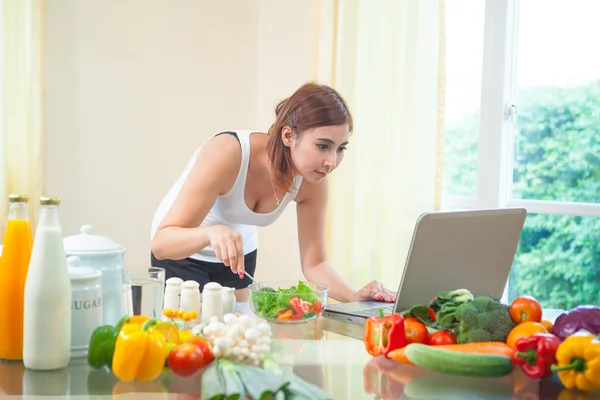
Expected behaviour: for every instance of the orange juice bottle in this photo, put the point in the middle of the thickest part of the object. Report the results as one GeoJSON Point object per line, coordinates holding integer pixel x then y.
{"type": "Point", "coordinates": [14, 263]}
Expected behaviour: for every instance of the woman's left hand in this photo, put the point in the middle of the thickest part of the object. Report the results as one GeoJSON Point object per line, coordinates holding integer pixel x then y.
{"type": "Point", "coordinates": [376, 291]}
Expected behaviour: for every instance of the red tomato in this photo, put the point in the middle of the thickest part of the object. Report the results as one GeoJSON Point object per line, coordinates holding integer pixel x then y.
{"type": "Point", "coordinates": [318, 306]}
{"type": "Point", "coordinates": [415, 331]}
{"type": "Point", "coordinates": [442, 337]}
{"type": "Point", "coordinates": [186, 359]}
{"type": "Point", "coordinates": [203, 345]}
{"type": "Point", "coordinates": [300, 306]}
{"type": "Point", "coordinates": [524, 309]}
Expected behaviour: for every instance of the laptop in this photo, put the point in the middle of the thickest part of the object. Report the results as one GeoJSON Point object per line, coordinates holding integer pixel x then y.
{"type": "Point", "coordinates": [472, 249]}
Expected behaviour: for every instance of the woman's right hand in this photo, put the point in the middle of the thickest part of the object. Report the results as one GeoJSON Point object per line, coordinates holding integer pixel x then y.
{"type": "Point", "coordinates": [228, 247]}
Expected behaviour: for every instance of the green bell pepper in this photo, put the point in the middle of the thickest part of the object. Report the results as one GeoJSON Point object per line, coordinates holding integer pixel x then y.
{"type": "Point", "coordinates": [102, 344]}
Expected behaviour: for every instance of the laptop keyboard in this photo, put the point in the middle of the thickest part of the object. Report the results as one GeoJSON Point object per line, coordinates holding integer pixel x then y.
{"type": "Point", "coordinates": [387, 310]}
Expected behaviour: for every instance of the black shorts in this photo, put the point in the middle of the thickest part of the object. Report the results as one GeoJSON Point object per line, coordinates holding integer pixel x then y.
{"type": "Point", "coordinates": [204, 272]}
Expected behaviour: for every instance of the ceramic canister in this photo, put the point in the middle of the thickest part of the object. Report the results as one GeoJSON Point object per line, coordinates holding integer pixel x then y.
{"type": "Point", "coordinates": [86, 305]}
{"type": "Point", "coordinates": [106, 256]}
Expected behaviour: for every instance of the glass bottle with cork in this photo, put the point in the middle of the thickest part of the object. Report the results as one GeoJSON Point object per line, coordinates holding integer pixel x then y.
{"type": "Point", "coordinates": [47, 311]}
{"type": "Point", "coordinates": [14, 263]}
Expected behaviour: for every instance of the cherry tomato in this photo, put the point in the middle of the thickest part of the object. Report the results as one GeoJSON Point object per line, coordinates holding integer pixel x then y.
{"type": "Point", "coordinates": [203, 345]}
{"type": "Point", "coordinates": [186, 359]}
{"type": "Point", "coordinates": [442, 337]}
{"type": "Point", "coordinates": [415, 331]}
{"type": "Point", "coordinates": [524, 309]}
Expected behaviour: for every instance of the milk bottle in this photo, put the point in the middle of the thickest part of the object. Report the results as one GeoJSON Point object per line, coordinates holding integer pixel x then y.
{"type": "Point", "coordinates": [47, 312]}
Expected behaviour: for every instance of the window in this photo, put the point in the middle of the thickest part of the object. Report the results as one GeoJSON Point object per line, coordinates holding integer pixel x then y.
{"type": "Point", "coordinates": [533, 140]}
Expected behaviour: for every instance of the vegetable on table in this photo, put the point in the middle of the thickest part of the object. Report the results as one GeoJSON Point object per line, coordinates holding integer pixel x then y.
{"type": "Point", "coordinates": [441, 306]}
{"type": "Point", "coordinates": [454, 297]}
{"type": "Point", "coordinates": [458, 363]}
{"type": "Point", "coordinates": [226, 379]}
{"type": "Point", "coordinates": [384, 334]}
{"type": "Point", "coordinates": [186, 359]}
{"type": "Point", "coordinates": [297, 388]}
{"type": "Point", "coordinates": [139, 354]}
{"type": "Point", "coordinates": [525, 308]}
{"type": "Point", "coordinates": [578, 362]}
{"type": "Point", "coordinates": [584, 317]}
{"type": "Point", "coordinates": [523, 330]}
{"type": "Point", "coordinates": [415, 331]}
{"type": "Point", "coordinates": [481, 320]}
{"type": "Point", "coordinates": [536, 354]}
{"type": "Point", "coordinates": [239, 338]}
{"type": "Point", "coordinates": [495, 348]}
{"type": "Point", "coordinates": [442, 337]}
{"type": "Point", "coordinates": [102, 344]}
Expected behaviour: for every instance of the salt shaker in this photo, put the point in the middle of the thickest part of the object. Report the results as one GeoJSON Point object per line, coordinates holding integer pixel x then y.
{"type": "Point", "coordinates": [211, 302]}
{"type": "Point", "coordinates": [190, 296]}
{"type": "Point", "coordinates": [227, 299]}
{"type": "Point", "coordinates": [172, 293]}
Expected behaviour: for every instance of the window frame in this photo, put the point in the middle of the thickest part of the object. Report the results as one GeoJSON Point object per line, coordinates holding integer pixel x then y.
{"type": "Point", "coordinates": [497, 126]}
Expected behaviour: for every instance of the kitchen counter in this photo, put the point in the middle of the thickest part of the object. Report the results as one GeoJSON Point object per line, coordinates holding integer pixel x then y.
{"type": "Point", "coordinates": [327, 353]}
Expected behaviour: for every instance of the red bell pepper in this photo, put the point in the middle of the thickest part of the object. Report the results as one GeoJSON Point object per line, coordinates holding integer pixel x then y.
{"type": "Point", "coordinates": [384, 334]}
{"type": "Point", "coordinates": [536, 354]}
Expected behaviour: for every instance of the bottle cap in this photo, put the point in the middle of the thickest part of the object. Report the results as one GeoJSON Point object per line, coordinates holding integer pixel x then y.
{"type": "Point", "coordinates": [49, 201]}
{"type": "Point", "coordinates": [18, 198]}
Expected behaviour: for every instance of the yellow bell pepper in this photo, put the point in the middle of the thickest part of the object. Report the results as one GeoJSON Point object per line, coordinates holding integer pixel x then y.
{"type": "Point", "coordinates": [578, 362]}
{"type": "Point", "coordinates": [139, 354]}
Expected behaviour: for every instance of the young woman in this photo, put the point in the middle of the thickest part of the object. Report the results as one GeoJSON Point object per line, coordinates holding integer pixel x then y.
{"type": "Point", "coordinates": [205, 227]}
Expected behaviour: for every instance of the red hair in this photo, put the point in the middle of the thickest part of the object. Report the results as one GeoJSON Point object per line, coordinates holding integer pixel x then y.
{"type": "Point", "coordinates": [311, 106]}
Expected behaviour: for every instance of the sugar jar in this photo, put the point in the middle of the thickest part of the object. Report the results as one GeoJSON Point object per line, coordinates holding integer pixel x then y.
{"type": "Point", "coordinates": [86, 304]}
{"type": "Point", "coordinates": [106, 256]}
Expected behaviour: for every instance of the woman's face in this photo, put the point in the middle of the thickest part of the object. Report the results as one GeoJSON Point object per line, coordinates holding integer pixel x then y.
{"type": "Point", "coordinates": [317, 152]}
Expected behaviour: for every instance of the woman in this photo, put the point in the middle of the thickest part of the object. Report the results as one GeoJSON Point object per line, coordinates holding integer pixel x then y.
{"type": "Point", "coordinates": [205, 227]}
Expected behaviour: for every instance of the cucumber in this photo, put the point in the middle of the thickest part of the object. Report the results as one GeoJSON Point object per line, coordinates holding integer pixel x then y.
{"type": "Point", "coordinates": [457, 363]}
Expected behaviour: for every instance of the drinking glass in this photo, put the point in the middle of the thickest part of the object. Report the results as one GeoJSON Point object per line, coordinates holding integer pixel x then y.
{"type": "Point", "coordinates": [143, 291]}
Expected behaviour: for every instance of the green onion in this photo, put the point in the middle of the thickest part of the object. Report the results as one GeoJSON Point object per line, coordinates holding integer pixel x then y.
{"type": "Point", "coordinates": [298, 388]}
{"type": "Point", "coordinates": [259, 383]}
{"type": "Point", "coordinates": [213, 386]}
{"type": "Point", "coordinates": [234, 388]}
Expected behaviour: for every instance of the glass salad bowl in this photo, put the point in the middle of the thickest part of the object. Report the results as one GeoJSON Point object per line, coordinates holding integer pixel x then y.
{"type": "Point", "coordinates": [287, 302]}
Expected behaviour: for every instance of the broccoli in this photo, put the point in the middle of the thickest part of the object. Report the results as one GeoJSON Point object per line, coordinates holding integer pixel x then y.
{"type": "Point", "coordinates": [483, 320]}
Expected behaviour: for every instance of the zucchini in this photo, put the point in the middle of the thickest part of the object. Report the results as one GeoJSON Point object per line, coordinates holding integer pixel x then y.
{"type": "Point", "coordinates": [457, 363]}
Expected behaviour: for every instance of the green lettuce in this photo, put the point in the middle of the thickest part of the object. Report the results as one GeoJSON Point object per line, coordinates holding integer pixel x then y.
{"type": "Point", "coordinates": [269, 303]}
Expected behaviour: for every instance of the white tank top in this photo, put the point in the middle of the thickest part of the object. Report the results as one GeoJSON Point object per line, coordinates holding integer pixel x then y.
{"type": "Point", "coordinates": [229, 209]}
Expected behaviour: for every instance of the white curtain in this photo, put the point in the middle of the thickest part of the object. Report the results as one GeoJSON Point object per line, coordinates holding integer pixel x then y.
{"type": "Point", "coordinates": [21, 86]}
{"type": "Point", "coordinates": [386, 57]}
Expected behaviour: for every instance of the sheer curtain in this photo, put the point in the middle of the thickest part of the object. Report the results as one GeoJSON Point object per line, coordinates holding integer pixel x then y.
{"type": "Point", "coordinates": [387, 59]}
{"type": "Point", "coordinates": [21, 85]}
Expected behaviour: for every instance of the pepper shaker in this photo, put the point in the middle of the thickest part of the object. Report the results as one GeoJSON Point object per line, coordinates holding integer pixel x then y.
{"type": "Point", "coordinates": [190, 296]}
{"type": "Point", "coordinates": [211, 302]}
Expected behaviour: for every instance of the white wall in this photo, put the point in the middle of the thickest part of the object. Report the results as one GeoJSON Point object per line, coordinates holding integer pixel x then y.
{"type": "Point", "coordinates": [133, 87]}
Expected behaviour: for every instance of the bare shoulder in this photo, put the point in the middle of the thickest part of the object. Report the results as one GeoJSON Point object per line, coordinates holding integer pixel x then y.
{"type": "Point", "coordinates": [313, 192]}
{"type": "Point", "coordinates": [219, 160]}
